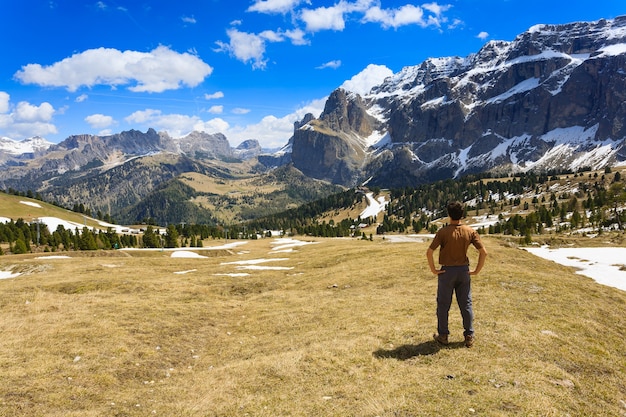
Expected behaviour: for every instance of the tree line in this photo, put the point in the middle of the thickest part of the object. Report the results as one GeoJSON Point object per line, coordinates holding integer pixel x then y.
{"type": "Point", "coordinates": [23, 237]}
{"type": "Point", "coordinates": [596, 201]}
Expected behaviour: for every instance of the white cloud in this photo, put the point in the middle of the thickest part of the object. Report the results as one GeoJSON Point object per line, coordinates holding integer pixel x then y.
{"type": "Point", "coordinates": [212, 126]}
{"type": "Point", "coordinates": [189, 19]}
{"type": "Point", "coordinates": [455, 23]}
{"type": "Point", "coordinates": [407, 15]}
{"type": "Point", "coordinates": [271, 36]}
{"type": "Point", "coordinates": [81, 98]}
{"type": "Point", "coordinates": [4, 102]}
{"type": "Point", "coordinates": [26, 120]}
{"type": "Point", "coordinates": [216, 109]}
{"type": "Point", "coordinates": [99, 121]}
{"type": "Point", "coordinates": [271, 131]}
{"type": "Point", "coordinates": [331, 64]}
{"type": "Point", "coordinates": [250, 47]}
{"type": "Point", "coordinates": [296, 37]}
{"type": "Point", "coordinates": [274, 6]}
{"type": "Point", "coordinates": [143, 116]}
{"type": "Point", "coordinates": [26, 112]}
{"type": "Point", "coordinates": [105, 132]}
{"type": "Point", "coordinates": [436, 9]}
{"type": "Point", "coordinates": [245, 47]}
{"type": "Point", "coordinates": [324, 18]}
{"type": "Point", "coordinates": [217, 94]}
{"type": "Point", "coordinates": [176, 125]}
{"type": "Point", "coordinates": [371, 76]}
{"type": "Point", "coordinates": [482, 35]}
{"type": "Point", "coordinates": [334, 17]}
{"type": "Point", "coordinates": [156, 71]}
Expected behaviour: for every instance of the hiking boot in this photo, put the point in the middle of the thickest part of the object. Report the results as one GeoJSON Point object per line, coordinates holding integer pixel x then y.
{"type": "Point", "coordinates": [441, 338]}
{"type": "Point", "coordinates": [469, 340]}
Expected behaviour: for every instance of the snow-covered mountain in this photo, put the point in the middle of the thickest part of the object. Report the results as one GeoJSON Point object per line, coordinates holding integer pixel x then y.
{"type": "Point", "coordinates": [553, 98]}
{"type": "Point", "coordinates": [31, 146]}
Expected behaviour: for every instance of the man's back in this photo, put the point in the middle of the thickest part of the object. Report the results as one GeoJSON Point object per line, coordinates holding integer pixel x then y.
{"type": "Point", "coordinates": [453, 241]}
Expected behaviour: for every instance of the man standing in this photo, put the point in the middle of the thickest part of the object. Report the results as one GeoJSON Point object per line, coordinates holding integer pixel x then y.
{"type": "Point", "coordinates": [454, 275]}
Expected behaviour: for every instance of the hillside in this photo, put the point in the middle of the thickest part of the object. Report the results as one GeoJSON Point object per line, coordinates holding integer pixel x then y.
{"type": "Point", "coordinates": [527, 206]}
{"type": "Point", "coordinates": [31, 210]}
{"type": "Point", "coordinates": [341, 327]}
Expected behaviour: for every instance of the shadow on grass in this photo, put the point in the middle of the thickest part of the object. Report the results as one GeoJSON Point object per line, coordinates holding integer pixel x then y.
{"type": "Point", "coordinates": [404, 352]}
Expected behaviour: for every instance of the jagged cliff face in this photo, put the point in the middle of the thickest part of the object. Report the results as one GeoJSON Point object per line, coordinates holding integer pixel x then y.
{"type": "Point", "coordinates": [555, 97]}
{"type": "Point", "coordinates": [332, 147]}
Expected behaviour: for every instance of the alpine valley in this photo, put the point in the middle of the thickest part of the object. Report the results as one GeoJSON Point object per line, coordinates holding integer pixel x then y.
{"type": "Point", "coordinates": [554, 98]}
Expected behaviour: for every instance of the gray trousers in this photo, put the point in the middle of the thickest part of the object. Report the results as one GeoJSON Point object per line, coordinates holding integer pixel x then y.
{"type": "Point", "coordinates": [455, 279]}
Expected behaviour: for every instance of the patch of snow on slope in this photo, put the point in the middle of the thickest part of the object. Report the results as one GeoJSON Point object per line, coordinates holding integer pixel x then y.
{"type": "Point", "coordinates": [284, 244]}
{"type": "Point", "coordinates": [373, 206]}
{"type": "Point", "coordinates": [522, 87]}
{"type": "Point", "coordinates": [563, 74]}
{"type": "Point", "coordinates": [54, 222]}
{"type": "Point", "coordinates": [598, 157]}
{"type": "Point", "coordinates": [604, 265]}
{"type": "Point", "coordinates": [462, 160]}
{"type": "Point", "coordinates": [569, 142]}
{"type": "Point", "coordinates": [612, 50]}
{"type": "Point", "coordinates": [501, 149]}
{"type": "Point", "coordinates": [29, 203]}
{"type": "Point", "coordinates": [570, 135]}
{"type": "Point", "coordinates": [434, 103]}
{"type": "Point", "coordinates": [254, 261]}
{"type": "Point", "coordinates": [377, 139]}
{"type": "Point", "coordinates": [518, 141]}
{"type": "Point", "coordinates": [378, 112]}
{"type": "Point", "coordinates": [8, 274]}
{"type": "Point", "coordinates": [186, 254]}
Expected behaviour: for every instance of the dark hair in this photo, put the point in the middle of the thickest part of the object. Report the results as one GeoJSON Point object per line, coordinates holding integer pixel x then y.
{"type": "Point", "coordinates": [456, 210]}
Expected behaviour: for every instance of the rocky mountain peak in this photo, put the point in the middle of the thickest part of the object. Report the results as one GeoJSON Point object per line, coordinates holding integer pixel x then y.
{"type": "Point", "coordinates": [248, 149]}
{"type": "Point", "coordinates": [551, 98]}
{"type": "Point", "coordinates": [346, 112]}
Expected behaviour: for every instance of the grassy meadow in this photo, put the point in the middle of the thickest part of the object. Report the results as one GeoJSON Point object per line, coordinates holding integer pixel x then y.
{"type": "Point", "coordinates": [342, 327]}
{"type": "Point", "coordinates": [29, 210]}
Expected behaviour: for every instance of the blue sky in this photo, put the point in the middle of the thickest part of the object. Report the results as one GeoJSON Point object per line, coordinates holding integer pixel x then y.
{"type": "Point", "coordinates": [244, 68]}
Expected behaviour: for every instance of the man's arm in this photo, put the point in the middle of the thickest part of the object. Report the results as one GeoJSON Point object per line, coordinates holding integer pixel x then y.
{"type": "Point", "coordinates": [431, 262]}
{"type": "Point", "coordinates": [482, 255]}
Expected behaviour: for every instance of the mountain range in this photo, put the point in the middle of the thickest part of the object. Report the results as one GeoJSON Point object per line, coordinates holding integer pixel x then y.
{"type": "Point", "coordinates": [554, 98]}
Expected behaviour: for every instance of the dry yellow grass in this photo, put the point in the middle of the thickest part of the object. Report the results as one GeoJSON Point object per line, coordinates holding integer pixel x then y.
{"type": "Point", "coordinates": [246, 185]}
{"type": "Point", "coordinates": [345, 332]}
{"type": "Point", "coordinates": [235, 199]}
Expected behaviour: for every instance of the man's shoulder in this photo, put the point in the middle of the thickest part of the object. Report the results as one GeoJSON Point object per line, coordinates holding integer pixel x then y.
{"type": "Point", "coordinates": [468, 229]}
